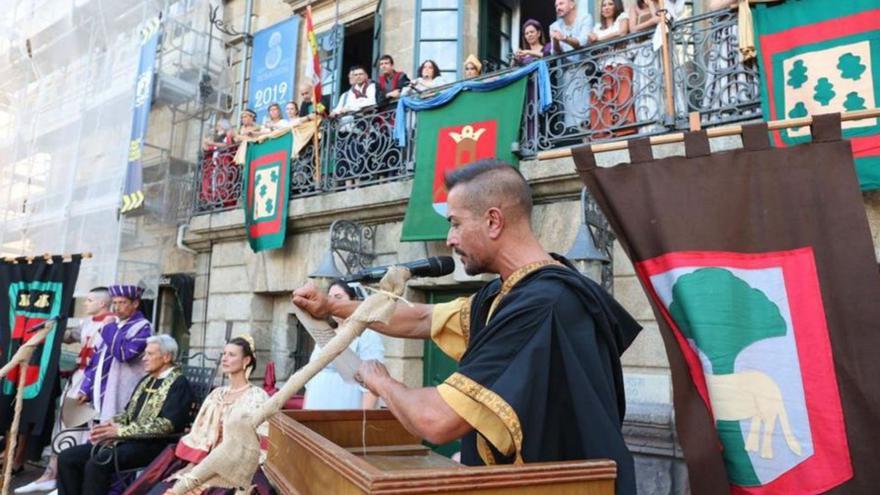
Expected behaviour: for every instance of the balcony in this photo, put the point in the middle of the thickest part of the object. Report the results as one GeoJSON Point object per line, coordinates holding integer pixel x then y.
{"type": "Point", "coordinates": [607, 91]}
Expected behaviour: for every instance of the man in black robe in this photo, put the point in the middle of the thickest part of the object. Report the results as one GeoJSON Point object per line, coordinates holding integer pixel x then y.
{"type": "Point", "coordinates": [539, 375]}
{"type": "Point", "coordinates": [161, 404]}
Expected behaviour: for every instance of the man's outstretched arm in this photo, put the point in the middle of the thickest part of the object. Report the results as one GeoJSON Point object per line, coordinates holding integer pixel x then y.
{"type": "Point", "coordinates": [412, 322]}
{"type": "Point", "coordinates": [420, 410]}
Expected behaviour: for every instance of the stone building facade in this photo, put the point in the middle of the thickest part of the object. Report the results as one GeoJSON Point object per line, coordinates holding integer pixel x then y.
{"type": "Point", "coordinates": [239, 291]}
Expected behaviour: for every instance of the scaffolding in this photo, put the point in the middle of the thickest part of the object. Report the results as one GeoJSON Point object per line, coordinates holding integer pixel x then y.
{"type": "Point", "coordinates": [67, 70]}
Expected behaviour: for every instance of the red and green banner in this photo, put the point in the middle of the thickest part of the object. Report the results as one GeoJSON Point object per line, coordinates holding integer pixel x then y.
{"type": "Point", "coordinates": [31, 292]}
{"type": "Point", "coordinates": [266, 192]}
{"type": "Point", "coordinates": [471, 127]}
{"type": "Point", "coordinates": [760, 268]}
{"type": "Point", "coordinates": [820, 57]}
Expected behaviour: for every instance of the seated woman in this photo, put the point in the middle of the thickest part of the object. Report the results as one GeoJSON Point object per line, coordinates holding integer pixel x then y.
{"type": "Point", "coordinates": [327, 390]}
{"type": "Point", "coordinates": [238, 362]}
{"type": "Point", "coordinates": [534, 44]}
{"type": "Point", "coordinates": [429, 77]}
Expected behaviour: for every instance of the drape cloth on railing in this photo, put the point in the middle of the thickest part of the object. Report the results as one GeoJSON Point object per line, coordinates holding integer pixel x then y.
{"type": "Point", "coordinates": [545, 98]}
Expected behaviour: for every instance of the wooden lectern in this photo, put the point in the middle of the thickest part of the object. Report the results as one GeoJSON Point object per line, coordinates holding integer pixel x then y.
{"type": "Point", "coordinates": [323, 453]}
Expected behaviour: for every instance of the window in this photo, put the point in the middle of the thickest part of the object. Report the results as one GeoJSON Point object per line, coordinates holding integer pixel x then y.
{"type": "Point", "coordinates": [438, 31]}
{"type": "Point", "coordinates": [495, 37]}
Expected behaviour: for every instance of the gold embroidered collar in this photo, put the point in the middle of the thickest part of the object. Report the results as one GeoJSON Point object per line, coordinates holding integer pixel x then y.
{"type": "Point", "coordinates": [515, 278]}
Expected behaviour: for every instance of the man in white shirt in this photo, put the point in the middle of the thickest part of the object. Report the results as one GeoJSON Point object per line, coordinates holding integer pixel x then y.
{"type": "Point", "coordinates": [568, 33]}
{"type": "Point", "coordinates": [362, 93]}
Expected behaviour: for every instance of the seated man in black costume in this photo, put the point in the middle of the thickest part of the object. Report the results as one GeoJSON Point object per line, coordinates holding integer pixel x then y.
{"type": "Point", "coordinates": [538, 350]}
{"type": "Point", "coordinates": [161, 404]}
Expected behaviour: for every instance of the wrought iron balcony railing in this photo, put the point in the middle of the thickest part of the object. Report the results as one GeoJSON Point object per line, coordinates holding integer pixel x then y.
{"type": "Point", "coordinates": [605, 91]}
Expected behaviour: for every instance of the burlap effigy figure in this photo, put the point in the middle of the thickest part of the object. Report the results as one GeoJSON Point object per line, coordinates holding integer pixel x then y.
{"type": "Point", "coordinates": [232, 464]}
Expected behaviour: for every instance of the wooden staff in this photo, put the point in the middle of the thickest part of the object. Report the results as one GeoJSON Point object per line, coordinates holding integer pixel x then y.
{"type": "Point", "coordinates": [21, 358]}
{"type": "Point", "coordinates": [729, 130]}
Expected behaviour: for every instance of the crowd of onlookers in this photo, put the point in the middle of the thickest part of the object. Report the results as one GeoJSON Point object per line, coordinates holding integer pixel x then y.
{"type": "Point", "coordinates": [612, 91]}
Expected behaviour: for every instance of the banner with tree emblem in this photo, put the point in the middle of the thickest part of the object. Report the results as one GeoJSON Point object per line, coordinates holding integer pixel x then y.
{"type": "Point", "coordinates": [34, 291]}
{"type": "Point", "coordinates": [816, 59]}
{"type": "Point", "coordinates": [760, 267]}
{"type": "Point", "coordinates": [267, 191]}
{"type": "Point", "coordinates": [471, 127]}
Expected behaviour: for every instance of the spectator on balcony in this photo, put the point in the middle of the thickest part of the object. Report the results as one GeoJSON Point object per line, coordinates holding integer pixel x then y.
{"type": "Point", "coordinates": [429, 78]}
{"type": "Point", "coordinates": [249, 128]}
{"type": "Point", "coordinates": [327, 390]}
{"type": "Point", "coordinates": [472, 67]}
{"type": "Point", "coordinates": [362, 93]}
{"type": "Point", "coordinates": [533, 44]}
{"type": "Point", "coordinates": [611, 98]}
{"type": "Point", "coordinates": [220, 174]}
{"type": "Point", "coordinates": [220, 138]}
{"type": "Point", "coordinates": [570, 32]}
{"type": "Point", "coordinates": [274, 120]}
{"type": "Point", "coordinates": [306, 107]}
{"type": "Point", "coordinates": [391, 82]}
{"type": "Point", "coordinates": [292, 111]}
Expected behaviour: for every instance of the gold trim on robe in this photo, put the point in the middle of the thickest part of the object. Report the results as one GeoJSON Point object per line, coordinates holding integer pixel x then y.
{"type": "Point", "coordinates": [494, 419]}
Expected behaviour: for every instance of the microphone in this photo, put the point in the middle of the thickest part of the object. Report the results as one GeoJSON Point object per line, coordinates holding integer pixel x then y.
{"type": "Point", "coordinates": [435, 266]}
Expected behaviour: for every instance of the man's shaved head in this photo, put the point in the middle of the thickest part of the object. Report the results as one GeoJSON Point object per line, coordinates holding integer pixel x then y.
{"type": "Point", "coordinates": [492, 183]}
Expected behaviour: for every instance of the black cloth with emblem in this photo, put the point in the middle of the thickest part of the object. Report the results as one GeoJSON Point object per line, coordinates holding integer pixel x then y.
{"type": "Point", "coordinates": [34, 290]}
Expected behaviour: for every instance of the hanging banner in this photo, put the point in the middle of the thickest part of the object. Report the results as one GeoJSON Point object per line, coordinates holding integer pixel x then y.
{"type": "Point", "coordinates": [761, 272]}
{"type": "Point", "coordinates": [266, 191]}
{"type": "Point", "coordinates": [473, 126]}
{"type": "Point", "coordinates": [814, 59]}
{"type": "Point", "coordinates": [273, 66]}
{"type": "Point", "coordinates": [33, 292]}
{"type": "Point", "coordinates": [133, 193]}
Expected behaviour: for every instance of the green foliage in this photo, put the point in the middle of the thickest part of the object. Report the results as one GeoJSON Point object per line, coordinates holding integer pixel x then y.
{"type": "Point", "coordinates": [854, 102]}
{"type": "Point", "coordinates": [824, 91]}
{"type": "Point", "coordinates": [723, 315]}
{"type": "Point", "coordinates": [799, 110]}
{"type": "Point", "coordinates": [850, 66]}
{"type": "Point", "coordinates": [797, 76]}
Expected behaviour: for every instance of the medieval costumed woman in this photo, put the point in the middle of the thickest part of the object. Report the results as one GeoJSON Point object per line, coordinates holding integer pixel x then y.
{"type": "Point", "coordinates": [238, 361]}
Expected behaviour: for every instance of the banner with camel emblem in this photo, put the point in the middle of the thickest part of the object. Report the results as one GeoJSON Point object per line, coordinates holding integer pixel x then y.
{"type": "Point", "coordinates": [815, 58]}
{"type": "Point", "coordinates": [33, 291]}
{"type": "Point", "coordinates": [266, 192]}
{"type": "Point", "coordinates": [760, 268]}
{"type": "Point", "coordinates": [471, 127]}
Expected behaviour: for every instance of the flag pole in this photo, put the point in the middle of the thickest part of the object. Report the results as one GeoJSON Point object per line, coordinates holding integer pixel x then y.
{"type": "Point", "coordinates": [728, 130]}
{"type": "Point", "coordinates": [667, 62]}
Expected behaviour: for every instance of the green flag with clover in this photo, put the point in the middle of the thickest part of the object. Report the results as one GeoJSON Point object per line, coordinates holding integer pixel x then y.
{"type": "Point", "coordinates": [815, 58]}
{"type": "Point", "coordinates": [267, 191]}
